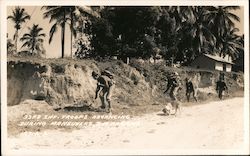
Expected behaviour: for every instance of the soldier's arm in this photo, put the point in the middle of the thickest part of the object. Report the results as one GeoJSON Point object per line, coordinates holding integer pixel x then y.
{"type": "Point", "coordinates": [168, 86]}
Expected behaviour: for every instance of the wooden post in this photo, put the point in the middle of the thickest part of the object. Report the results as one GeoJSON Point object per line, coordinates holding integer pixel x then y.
{"type": "Point", "coordinates": [127, 60]}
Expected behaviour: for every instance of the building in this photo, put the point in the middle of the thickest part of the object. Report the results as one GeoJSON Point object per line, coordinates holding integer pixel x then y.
{"type": "Point", "coordinates": [213, 62]}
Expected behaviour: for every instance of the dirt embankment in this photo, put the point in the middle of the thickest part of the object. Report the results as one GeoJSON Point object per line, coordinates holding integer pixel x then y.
{"type": "Point", "coordinates": [69, 83]}
{"type": "Point", "coordinates": [54, 83]}
{"type": "Point", "coordinates": [41, 86]}
{"type": "Point", "coordinates": [66, 82]}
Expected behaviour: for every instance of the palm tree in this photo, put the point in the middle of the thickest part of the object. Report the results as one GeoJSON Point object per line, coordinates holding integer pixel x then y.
{"type": "Point", "coordinates": [59, 15]}
{"type": "Point", "coordinates": [34, 39]}
{"type": "Point", "coordinates": [231, 44]}
{"type": "Point", "coordinates": [78, 19]}
{"type": "Point", "coordinates": [221, 18]}
{"type": "Point", "coordinates": [199, 36]}
{"type": "Point", "coordinates": [19, 17]}
{"type": "Point", "coordinates": [77, 14]}
{"type": "Point", "coordinates": [222, 23]}
{"type": "Point", "coordinates": [182, 14]}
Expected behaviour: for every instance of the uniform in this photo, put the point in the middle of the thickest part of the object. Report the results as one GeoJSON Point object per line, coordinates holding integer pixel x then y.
{"type": "Point", "coordinates": [174, 89]}
{"type": "Point", "coordinates": [221, 87]}
{"type": "Point", "coordinates": [105, 86]}
{"type": "Point", "coordinates": [173, 85]}
{"type": "Point", "coordinates": [170, 82]}
{"type": "Point", "coordinates": [190, 89]}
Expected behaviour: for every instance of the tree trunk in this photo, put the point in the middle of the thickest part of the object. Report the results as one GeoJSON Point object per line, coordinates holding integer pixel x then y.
{"type": "Point", "coordinates": [32, 51]}
{"type": "Point", "coordinates": [16, 37]}
{"type": "Point", "coordinates": [172, 61]}
{"type": "Point", "coordinates": [63, 34]}
{"type": "Point", "coordinates": [71, 38]}
{"type": "Point", "coordinates": [63, 37]}
{"type": "Point", "coordinates": [71, 34]}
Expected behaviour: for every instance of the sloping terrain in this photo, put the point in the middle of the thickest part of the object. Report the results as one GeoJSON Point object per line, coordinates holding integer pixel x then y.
{"type": "Point", "coordinates": [65, 82]}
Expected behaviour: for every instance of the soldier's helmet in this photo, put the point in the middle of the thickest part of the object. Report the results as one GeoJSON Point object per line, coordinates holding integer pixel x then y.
{"type": "Point", "coordinates": [95, 74]}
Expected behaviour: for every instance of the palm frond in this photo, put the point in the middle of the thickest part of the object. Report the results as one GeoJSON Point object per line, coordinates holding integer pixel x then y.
{"type": "Point", "coordinates": [26, 44]}
{"type": "Point", "coordinates": [52, 31]}
{"type": "Point", "coordinates": [41, 35]}
{"type": "Point", "coordinates": [231, 7]}
{"type": "Point", "coordinates": [11, 17]}
{"type": "Point", "coordinates": [27, 35]}
{"type": "Point", "coordinates": [40, 40]}
{"type": "Point", "coordinates": [233, 16]}
{"type": "Point", "coordinates": [25, 38]}
{"type": "Point", "coordinates": [26, 17]}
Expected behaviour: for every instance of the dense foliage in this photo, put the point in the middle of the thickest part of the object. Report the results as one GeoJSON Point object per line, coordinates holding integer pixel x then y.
{"type": "Point", "coordinates": [176, 33]}
{"type": "Point", "coordinates": [181, 33]}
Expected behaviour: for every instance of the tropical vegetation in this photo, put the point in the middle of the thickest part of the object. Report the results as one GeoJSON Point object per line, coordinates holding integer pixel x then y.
{"type": "Point", "coordinates": [177, 33]}
{"type": "Point", "coordinates": [18, 17]}
{"type": "Point", "coordinates": [33, 40]}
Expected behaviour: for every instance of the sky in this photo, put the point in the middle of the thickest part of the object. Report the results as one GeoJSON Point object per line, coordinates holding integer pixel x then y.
{"type": "Point", "coordinates": [53, 50]}
{"type": "Point", "coordinates": [36, 12]}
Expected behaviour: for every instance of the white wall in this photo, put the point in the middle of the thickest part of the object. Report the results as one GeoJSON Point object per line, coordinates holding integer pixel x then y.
{"type": "Point", "coordinates": [228, 68]}
{"type": "Point", "coordinates": [218, 66]}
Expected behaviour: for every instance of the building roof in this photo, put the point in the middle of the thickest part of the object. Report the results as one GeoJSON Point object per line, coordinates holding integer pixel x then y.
{"type": "Point", "coordinates": [218, 58]}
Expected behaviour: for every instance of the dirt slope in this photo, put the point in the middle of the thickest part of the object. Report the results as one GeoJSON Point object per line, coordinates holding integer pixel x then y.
{"type": "Point", "coordinates": [215, 125]}
{"type": "Point", "coordinates": [67, 82]}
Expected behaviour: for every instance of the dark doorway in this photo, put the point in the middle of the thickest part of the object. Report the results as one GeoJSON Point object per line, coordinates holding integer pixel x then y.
{"type": "Point", "coordinates": [224, 67]}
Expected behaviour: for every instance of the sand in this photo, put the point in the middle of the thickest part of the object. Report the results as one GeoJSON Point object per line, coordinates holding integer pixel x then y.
{"type": "Point", "coordinates": [215, 125]}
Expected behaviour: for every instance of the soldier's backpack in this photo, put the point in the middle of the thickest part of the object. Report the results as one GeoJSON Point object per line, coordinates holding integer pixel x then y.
{"type": "Point", "coordinates": [108, 74]}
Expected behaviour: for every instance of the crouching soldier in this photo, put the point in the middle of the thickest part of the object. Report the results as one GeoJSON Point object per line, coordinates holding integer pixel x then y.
{"type": "Point", "coordinates": [221, 87]}
{"type": "Point", "coordinates": [174, 86]}
{"type": "Point", "coordinates": [170, 82]}
{"type": "Point", "coordinates": [105, 85]}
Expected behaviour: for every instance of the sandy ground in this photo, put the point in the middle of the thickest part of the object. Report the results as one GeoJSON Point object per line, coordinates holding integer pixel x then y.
{"type": "Point", "coordinates": [215, 125]}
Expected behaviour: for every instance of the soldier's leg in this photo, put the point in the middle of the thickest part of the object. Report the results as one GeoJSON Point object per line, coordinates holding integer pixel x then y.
{"type": "Point", "coordinates": [106, 101]}
{"type": "Point", "coordinates": [195, 95]}
{"type": "Point", "coordinates": [108, 104]}
{"type": "Point", "coordinates": [109, 95]}
{"type": "Point", "coordinates": [102, 101]}
{"type": "Point", "coordinates": [220, 93]}
{"type": "Point", "coordinates": [173, 93]}
{"type": "Point", "coordinates": [188, 96]}
{"type": "Point", "coordinates": [168, 87]}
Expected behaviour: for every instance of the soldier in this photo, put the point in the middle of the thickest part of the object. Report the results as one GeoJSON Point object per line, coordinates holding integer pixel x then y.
{"type": "Point", "coordinates": [105, 85]}
{"type": "Point", "coordinates": [170, 81]}
{"type": "Point", "coordinates": [190, 89]}
{"type": "Point", "coordinates": [221, 87]}
{"type": "Point", "coordinates": [173, 85]}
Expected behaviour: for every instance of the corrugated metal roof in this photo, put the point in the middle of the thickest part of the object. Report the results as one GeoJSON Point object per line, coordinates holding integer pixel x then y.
{"type": "Point", "coordinates": [218, 58]}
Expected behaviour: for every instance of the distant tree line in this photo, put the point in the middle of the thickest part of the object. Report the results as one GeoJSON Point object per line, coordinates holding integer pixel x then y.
{"type": "Point", "coordinates": [177, 33]}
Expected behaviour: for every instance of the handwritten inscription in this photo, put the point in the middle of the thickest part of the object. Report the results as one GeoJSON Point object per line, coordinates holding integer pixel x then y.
{"type": "Point", "coordinates": [72, 120]}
